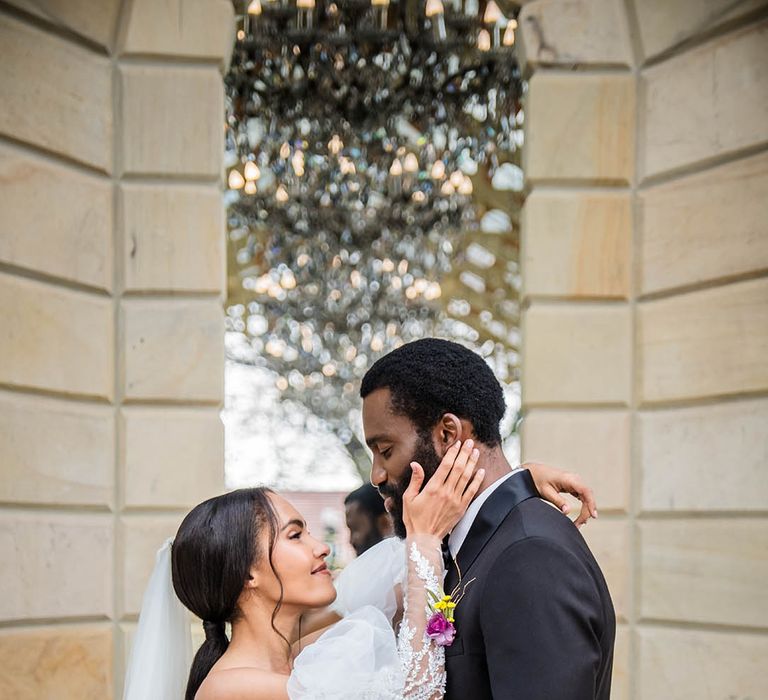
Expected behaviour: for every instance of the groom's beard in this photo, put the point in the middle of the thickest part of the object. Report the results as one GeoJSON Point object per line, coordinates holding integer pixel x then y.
{"type": "Point", "coordinates": [426, 456]}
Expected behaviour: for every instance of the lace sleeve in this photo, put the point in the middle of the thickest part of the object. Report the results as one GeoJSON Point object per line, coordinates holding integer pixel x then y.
{"type": "Point", "coordinates": [421, 658]}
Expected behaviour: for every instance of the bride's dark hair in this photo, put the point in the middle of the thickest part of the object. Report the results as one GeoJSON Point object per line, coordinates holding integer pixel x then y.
{"type": "Point", "coordinates": [214, 549]}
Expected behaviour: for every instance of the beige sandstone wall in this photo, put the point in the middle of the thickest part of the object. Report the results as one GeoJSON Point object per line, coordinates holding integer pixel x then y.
{"type": "Point", "coordinates": [645, 252]}
{"type": "Point", "coordinates": [111, 340]}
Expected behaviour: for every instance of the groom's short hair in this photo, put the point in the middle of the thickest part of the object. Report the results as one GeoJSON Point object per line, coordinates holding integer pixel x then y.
{"type": "Point", "coordinates": [431, 377]}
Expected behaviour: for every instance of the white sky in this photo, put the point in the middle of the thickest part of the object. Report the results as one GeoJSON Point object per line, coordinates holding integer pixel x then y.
{"type": "Point", "coordinates": [267, 444]}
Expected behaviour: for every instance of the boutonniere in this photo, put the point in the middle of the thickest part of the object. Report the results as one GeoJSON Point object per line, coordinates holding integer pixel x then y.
{"type": "Point", "coordinates": [440, 626]}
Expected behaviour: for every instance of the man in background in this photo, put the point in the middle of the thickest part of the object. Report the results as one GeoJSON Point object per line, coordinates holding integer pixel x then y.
{"type": "Point", "coordinates": [367, 520]}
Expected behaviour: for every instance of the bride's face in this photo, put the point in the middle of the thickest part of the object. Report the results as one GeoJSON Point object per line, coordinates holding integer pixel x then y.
{"type": "Point", "coordinates": [299, 560]}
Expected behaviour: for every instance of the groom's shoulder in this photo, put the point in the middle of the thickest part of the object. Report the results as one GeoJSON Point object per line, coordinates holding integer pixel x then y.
{"type": "Point", "coordinates": [538, 523]}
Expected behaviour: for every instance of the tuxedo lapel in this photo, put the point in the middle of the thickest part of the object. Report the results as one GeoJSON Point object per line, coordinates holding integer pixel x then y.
{"type": "Point", "coordinates": [517, 488]}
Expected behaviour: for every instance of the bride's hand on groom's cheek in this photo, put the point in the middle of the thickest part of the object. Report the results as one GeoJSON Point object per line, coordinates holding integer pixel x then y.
{"type": "Point", "coordinates": [551, 483]}
{"type": "Point", "coordinates": [436, 508]}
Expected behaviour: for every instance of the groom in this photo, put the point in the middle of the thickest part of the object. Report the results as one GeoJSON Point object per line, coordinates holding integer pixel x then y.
{"type": "Point", "coordinates": [537, 622]}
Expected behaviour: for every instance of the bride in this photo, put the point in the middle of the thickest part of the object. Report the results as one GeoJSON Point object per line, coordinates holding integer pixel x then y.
{"type": "Point", "coordinates": [247, 559]}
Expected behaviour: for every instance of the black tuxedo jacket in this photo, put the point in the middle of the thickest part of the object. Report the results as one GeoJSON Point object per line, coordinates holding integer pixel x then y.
{"type": "Point", "coordinates": [537, 623]}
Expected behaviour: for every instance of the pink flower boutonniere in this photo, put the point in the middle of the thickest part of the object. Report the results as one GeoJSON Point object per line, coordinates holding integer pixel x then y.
{"type": "Point", "coordinates": [440, 626]}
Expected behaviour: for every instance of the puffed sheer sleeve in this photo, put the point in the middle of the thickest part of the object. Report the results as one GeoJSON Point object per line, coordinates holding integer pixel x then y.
{"type": "Point", "coordinates": [355, 659]}
{"type": "Point", "coordinates": [361, 657]}
{"type": "Point", "coordinates": [372, 579]}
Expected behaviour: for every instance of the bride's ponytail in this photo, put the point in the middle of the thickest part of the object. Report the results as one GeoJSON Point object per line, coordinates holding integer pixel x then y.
{"type": "Point", "coordinates": [214, 549]}
{"type": "Point", "coordinates": [211, 650]}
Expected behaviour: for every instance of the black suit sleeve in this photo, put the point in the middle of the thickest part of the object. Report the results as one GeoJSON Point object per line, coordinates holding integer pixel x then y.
{"type": "Point", "coordinates": [541, 622]}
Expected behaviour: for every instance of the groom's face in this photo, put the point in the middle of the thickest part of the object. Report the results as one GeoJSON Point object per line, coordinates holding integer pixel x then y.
{"type": "Point", "coordinates": [395, 443]}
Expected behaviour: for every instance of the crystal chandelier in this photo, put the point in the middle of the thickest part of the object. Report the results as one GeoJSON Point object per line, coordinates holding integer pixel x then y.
{"type": "Point", "coordinates": [357, 132]}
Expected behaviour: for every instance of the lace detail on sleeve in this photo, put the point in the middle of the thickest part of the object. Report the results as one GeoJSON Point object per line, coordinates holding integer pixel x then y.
{"type": "Point", "coordinates": [422, 660]}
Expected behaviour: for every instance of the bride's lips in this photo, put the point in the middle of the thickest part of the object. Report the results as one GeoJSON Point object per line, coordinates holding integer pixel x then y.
{"type": "Point", "coordinates": [322, 569]}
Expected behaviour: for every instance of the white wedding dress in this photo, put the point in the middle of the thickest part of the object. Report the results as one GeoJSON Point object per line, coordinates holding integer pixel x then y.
{"type": "Point", "coordinates": [358, 658]}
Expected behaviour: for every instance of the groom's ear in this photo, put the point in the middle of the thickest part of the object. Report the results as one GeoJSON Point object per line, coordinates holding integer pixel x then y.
{"type": "Point", "coordinates": [448, 430]}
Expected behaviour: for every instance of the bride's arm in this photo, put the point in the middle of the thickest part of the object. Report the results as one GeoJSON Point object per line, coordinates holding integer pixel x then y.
{"type": "Point", "coordinates": [429, 515]}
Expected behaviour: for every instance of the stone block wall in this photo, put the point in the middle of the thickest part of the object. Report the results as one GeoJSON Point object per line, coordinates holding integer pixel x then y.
{"type": "Point", "coordinates": [111, 342]}
{"type": "Point", "coordinates": [645, 332]}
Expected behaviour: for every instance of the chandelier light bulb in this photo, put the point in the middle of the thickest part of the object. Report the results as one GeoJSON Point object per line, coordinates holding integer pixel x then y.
{"type": "Point", "coordinates": [252, 171]}
{"type": "Point", "coordinates": [305, 10]}
{"type": "Point", "coordinates": [483, 40]}
{"type": "Point", "coordinates": [250, 187]}
{"type": "Point", "coordinates": [447, 189]}
{"type": "Point", "coordinates": [254, 8]}
{"type": "Point", "coordinates": [465, 187]}
{"type": "Point", "coordinates": [335, 145]}
{"type": "Point", "coordinates": [380, 13]}
{"type": "Point", "coordinates": [236, 180]}
{"type": "Point", "coordinates": [438, 170]}
{"type": "Point", "coordinates": [411, 163]}
{"type": "Point", "coordinates": [395, 180]}
{"type": "Point", "coordinates": [240, 34]}
{"type": "Point", "coordinates": [281, 195]}
{"type": "Point", "coordinates": [492, 13]}
{"type": "Point", "coordinates": [285, 151]}
{"type": "Point", "coordinates": [436, 16]}
{"type": "Point", "coordinates": [457, 177]}
{"type": "Point", "coordinates": [509, 33]}
{"type": "Point", "coordinates": [287, 280]}
{"type": "Point", "coordinates": [434, 7]}
{"type": "Point", "coordinates": [433, 291]}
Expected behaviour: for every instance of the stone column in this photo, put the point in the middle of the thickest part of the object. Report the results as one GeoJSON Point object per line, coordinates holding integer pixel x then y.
{"type": "Point", "coordinates": [644, 258]}
{"type": "Point", "coordinates": [111, 290]}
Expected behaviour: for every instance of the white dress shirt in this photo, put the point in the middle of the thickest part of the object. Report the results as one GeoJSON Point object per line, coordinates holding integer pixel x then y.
{"type": "Point", "coordinates": [460, 532]}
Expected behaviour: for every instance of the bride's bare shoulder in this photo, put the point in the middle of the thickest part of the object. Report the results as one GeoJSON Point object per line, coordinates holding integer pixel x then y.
{"type": "Point", "coordinates": [243, 684]}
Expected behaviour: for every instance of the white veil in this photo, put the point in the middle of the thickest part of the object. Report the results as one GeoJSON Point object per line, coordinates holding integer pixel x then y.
{"type": "Point", "coordinates": [162, 647]}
